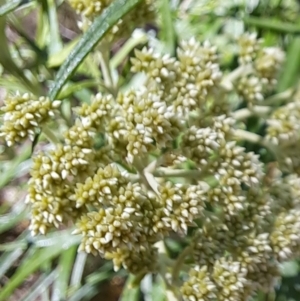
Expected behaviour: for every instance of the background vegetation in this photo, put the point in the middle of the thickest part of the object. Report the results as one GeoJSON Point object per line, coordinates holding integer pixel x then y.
{"type": "Point", "coordinates": [36, 39]}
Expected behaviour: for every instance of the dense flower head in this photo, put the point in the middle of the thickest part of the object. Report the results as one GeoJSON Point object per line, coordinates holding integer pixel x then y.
{"type": "Point", "coordinates": [283, 125]}
{"type": "Point", "coordinates": [89, 9]}
{"type": "Point", "coordinates": [184, 82]}
{"type": "Point", "coordinates": [24, 115]}
{"type": "Point", "coordinates": [251, 89]}
{"type": "Point", "coordinates": [268, 63]}
{"type": "Point", "coordinates": [285, 236]}
{"type": "Point", "coordinates": [168, 159]}
{"type": "Point", "coordinates": [181, 205]}
{"type": "Point", "coordinates": [262, 68]}
{"type": "Point", "coordinates": [199, 286]}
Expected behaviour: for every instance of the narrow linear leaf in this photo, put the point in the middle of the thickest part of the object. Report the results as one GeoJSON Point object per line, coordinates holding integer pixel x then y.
{"type": "Point", "coordinates": [27, 268]}
{"type": "Point", "coordinates": [57, 58]}
{"type": "Point", "coordinates": [167, 27]}
{"type": "Point", "coordinates": [68, 90]}
{"type": "Point", "coordinates": [126, 48]}
{"type": "Point", "coordinates": [8, 259]}
{"type": "Point", "coordinates": [78, 269]}
{"type": "Point", "coordinates": [55, 42]}
{"type": "Point", "coordinates": [272, 24]}
{"type": "Point", "coordinates": [86, 292]}
{"type": "Point", "coordinates": [42, 30]}
{"type": "Point", "coordinates": [291, 69]}
{"type": "Point", "coordinates": [10, 6]}
{"type": "Point", "coordinates": [12, 170]}
{"type": "Point", "coordinates": [17, 25]}
{"type": "Point", "coordinates": [159, 292]}
{"type": "Point", "coordinates": [90, 39]}
{"type": "Point", "coordinates": [61, 285]}
{"type": "Point", "coordinates": [40, 286]}
{"type": "Point", "coordinates": [91, 287]}
{"type": "Point", "coordinates": [10, 220]}
{"type": "Point", "coordinates": [11, 84]}
{"type": "Point", "coordinates": [33, 262]}
{"type": "Point", "coordinates": [7, 61]}
{"type": "Point", "coordinates": [131, 291]}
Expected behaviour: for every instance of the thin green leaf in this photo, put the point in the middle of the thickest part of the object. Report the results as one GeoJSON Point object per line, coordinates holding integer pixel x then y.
{"type": "Point", "coordinates": [10, 246]}
{"type": "Point", "coordinates": [7, 61]}
{"type": "Point", "coordinates": [12, 170]}
{"type": "Point", "coordinates": [102, 274]}
{"type": "Point", "coordinates": [167, 26]}
{"type": "Point", "coordinates": [130, 291]}
{"type": "Point", "coordinates": [78, 269]}
{"type": "Point", "coordinates": [64, 239]}
{"type": "Point", "coordinates": [35, 142]}
{"type": "Point", "coordinates": [27, 268]}
{"type": "Point", "coordinates": [41, 285]}
{"type": "Point", "coordinates": [272, 24]}
{"type": "Point", "coordinates": [10, 6]}
{"type": "Point", "coordinates": [66, 261]}
{"type": "Point", "coordinates": [35, 259]}
{"type": "Point", "coordinates": [17, 25]}
{"type": "Point", "coordinates": [72, 88]}
{"type": "Point", "coordinates": [55, 42]}
{"type": "Point", "coordinates": [291, 69]}
{"type": "Point", "coordinates": [11, 84]}
{"type": "Point", "coordinates": [9, 220]}
{"type": "Point", "coordinates": [90, 39]}
{"type": "Point", "coordinates": [120, 56]}
{"type": "Point", "coordinates": [57, 58]}
{"type": "Point", "coordinates": [86, 292]}
{"type": "Point", "coordinates": [91, 288]}
{"type": "Point", "coordinates": [159, 292]}
{"type": "Point", "coordinates": [8, 259]}
{"type": "Point", "coordinates": [42, 25]}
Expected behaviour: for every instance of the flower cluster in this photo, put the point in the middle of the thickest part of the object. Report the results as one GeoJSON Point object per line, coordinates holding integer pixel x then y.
{"type": "Point", "coordinates": [283, 132]}
{"type": "Point", "coordinates": [262, 69]}
{"type": "Point", "coordinates": [24, 115]}
{"type": "Point", "coordinates": [138, 17]}
{"type": "Point", "coordinates": [185, 83]}
{"type": "Point", "coordinates": [168, 158]}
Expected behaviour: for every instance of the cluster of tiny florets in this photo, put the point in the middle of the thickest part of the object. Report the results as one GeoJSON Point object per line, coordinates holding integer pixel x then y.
{"type": "Point", "coordinates": [143, 13]}
{"type": "Point", "coordinates": [186, 82]}
{"type": "Point", "coordinates": [283, 132]}
{"type": "Point", "coordinates": [262, 67]}
{"type": "Point", "coordinates": [24, 115]}
{"type": "Point", "coordinates": [115, 173]}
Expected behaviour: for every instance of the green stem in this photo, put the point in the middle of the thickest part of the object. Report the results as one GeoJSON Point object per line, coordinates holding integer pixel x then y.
{"type": "Point", "coordinates": [248, 136]}
{"type": "Point", "coordinates": [257, 139]}
{"type": "Point", "coordinates": [228, 81]}
{"type": "Point", "coordinates": [179, 262]}
{"type": "Point", "coordinates": [55, 44]}
{"type": "Point", "coordinates": [167, 31]}
{"type": "Point", "coordinates": [260, 111]}
{"type": "Point", "coordinates": [50, 135]}
{"type": "Point", "coordinates": [164, 264]}
{"type": "Point", "coordinates": [178, 173]}
{"type": "Point", "coordinates": [280, 97]}
{"type": "Point", "coordinates": [106, 70]}
{"type": "Point", "coordinates": [275, 25]}
{"type": "Point", "coordinates": [120, 56]}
